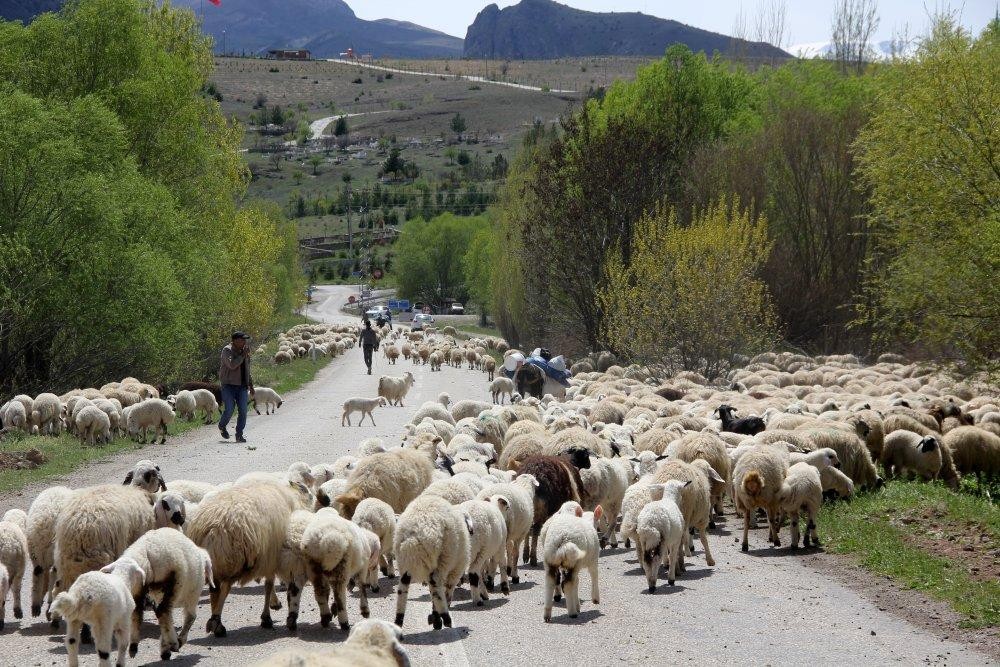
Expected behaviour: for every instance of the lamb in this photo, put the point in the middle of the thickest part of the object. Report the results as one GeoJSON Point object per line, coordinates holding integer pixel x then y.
{"type": "Point", "coordinates": [488, 545]}
{"type": "Point", "coordinates": [433, 410]}
{"type": "Point", "coordinates": [468, 408]}
{"type": "Point", "coordinates": [206, 402]}
{"type": "Point", "coordinates": [93, 425]}
{"type": "Point", "coordinates": [905, 451]}
{"type": "Point", "coordinates": [836, 482]}
{"type": "Point", "coordinates": [376, 516]}
{"type": "Point", "coordinates": [95, 526]}
{"type": "Point", "coordinates": [14, 415]}
{"type": "Point", "coordinates": [696, 499]}
{"type": "Point", "coordinates": [432, 546]}
{"type": "Point", "coordinates": [501, 387]}
{"type": "Point", "coordinates": [175, 570]}
{"type": "Point", "coordinates": [746, 425]}
{"type": "Point", "coordinates": [105, 603]}
{"type": "Point", "coordinates": [292, 567]}
{"type": "Point", "coordinates": [660, 531]}
{"type": "Point", "coordinates": [436, 359]}
{"type": "Point", "coordinates": [394, 389]}
{"type": "Point", "coordinates": [395, 477]}
{"type": "Point", "coordinates": [855, 460]}
{"type": "Point", "coordinates": [213, 387]}
{"type": "Point", "coordinates": [267, 397]}
{"type": "Point", "coordinates": [337, 550]}
{"type": "Point", "coordinates": [569, 543]}
{"type": "Point", "coordinates": [801, 492]}
{"type": "Point", "coordinates": [170, 511]}
{"type": "Point", "coordinates": [17, 517]}
{"type": "Point", "coordinates": [974, 450]}
{"type": "Point", "coordinates": [371, 446]}
{"type": "Point", "coordinates": [710, 448]}
{"type": "Point", "coordinates": [520, 495]}
{"type": "Point", "coordinates": [519, 449]}
{"type": "Point", "coordinates": [13, 560]}
{"type": "Point", "coordinates": [605, 483]}
{"type": "Point", "coordinates": [490, 366]}
{"type": "Point", "coordinates": [559, 481]}
{"type": "Point", "coordinates": [152, 413]}
{"type": "Point", "coordinates": [366, 406]}
{"type": "Point", "coordinates": [372, 643]}
{"type": "Point", "coordinates": [41, 526]}
{"type": "Point", "coordinates": [757, 481]}
{"type": "Point", "coordinates": [455, 492]}
{"type": "Point", "coordinates": [243, 528]}
{"type": "Point", "coordinates": [391, 353]}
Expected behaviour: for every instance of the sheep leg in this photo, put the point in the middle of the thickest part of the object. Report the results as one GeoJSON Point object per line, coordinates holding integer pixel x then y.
{"type": "Point", "coordinates": [102, 641]}
{"type": "Point", "coordinates": [163, 437]}
{"type": "Point", "coordinates": [322, 593]}
{"type": "Point", "coordinates": [534, 544]}
{"type": "Point", "coordinates": [650, 561]}
{"type": "Point", "coordinates": [140, 601]}
{"type": "Point", "coordinates": [39, 586]}
{"type": "Point", "coordinates": [746, 530]}
{"type": "Point", "coordinates": [168, 635]}
{"type": "Point", "coordinates": [774, 521]}
{"type": "Point", "coordinates": [265, 616]}
{"type": "Point", "coordinates": [504, 583]}
{"type": "Point", "coordinates": [793, 527]}
{"type": "Point", "coordinates": [571, 589]}
{"type": "Point", "coordinates": [703, 533]}
{"type": "Point", "coordinates": [437, 602]}
{"type": "Point", "coordinates": [218, 597]}
{"type": "Point", "coordinates": [73, 642]}
{"type": "Point", "coordinates": [512, 549]}
{"type": "Point", "coordinates": [345, 416]}
{"type": "Point", "coordinates": [275, 602]}
{"type": "Point", "coordinates": [402, 591]}
{"type": "Point", "coordinates": [122, 638]}
{"type": "Point", "coordinates": [595, 593]}
{"type": "Point", "coordinates": [443, 599]}
{"type": "Point", "coordinates": [550, 590]}
{"type": "Point", "coordinates": [189, 616]}
{"type": "Point", "coordinates": [672, 559]}
{"type": "Point", "coordinates": [340, 597]}
{"type": "Point", "coordinates": [15, 593]}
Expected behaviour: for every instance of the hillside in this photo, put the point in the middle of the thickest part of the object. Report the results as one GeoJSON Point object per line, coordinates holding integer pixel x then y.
{"type": "Point", "coordinates": [536, 29]}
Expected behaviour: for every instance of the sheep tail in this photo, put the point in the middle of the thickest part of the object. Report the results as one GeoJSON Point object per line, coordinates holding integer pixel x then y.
{"type": "Point", "coordinates": [648, 536]}
{"type": "Point", "coordinates": [568, 555]}
{"type": "Point", "coordinates": [753, 483]}
{"type": "Point", "coordinates": [65, 605]}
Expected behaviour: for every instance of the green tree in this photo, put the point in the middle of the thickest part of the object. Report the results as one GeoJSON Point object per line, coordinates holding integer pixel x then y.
{"type": "Point", "coordinates": [690, 297]}
{"type": "Point", "coordinates": [340, 127]}
{"type": "Point", "coordinates": [430, 254]}
{"type": "Point", "coordinates": [478, 266]}
{"type": "Point", "coordinates": [458, 124]}
{"type": "Point", "coordinates": [315, 161]}
{"type": "Point", "coordinates": [930, 157]}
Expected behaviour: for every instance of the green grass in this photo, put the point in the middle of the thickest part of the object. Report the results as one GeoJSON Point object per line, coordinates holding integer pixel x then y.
{"type": "Point", "coordinates": [475, 330]}
{"type": "Point", "coordinates": [893, 532]}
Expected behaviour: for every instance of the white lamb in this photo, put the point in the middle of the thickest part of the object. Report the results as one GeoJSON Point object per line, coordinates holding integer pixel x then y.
{"type": "Point", "coordinates": [488, 545]}
{"type": "Point", "coordinates": [606, 481]}
{"type": "Point", "coordinates": [802, 493]}
{"type": "Point", "coordinates": [371, 446]}
{"type": "Point", "coordinates": [185, 405]}
{"type": "Point", "coordinates": [46, 414]}
{"type": "Point", "coordinates": [660, 529]}
{"type": "Point", "coordinates": [13, 561]}
{"type": "Point", "coordinates": [520, 515]}
{"type": "Point", "coordinates": [105, 603]}
{"type": "Point", "coordinates": [267, 397]}
{"type": "Point", "coordinates": [41, 531]}
{"type": "Point", "coordinates": [500, 388]}
{"type": "Point", "coordinates": [153, 413]}
{"type": "Point", "coordinates": [569, 543]}
{"type": "Point", "coordinates": [378, 517]}
{"type": "Point", "coordinates": [206, 402]}
{"type": "Point", "coordinates": [366, 406]}
{"type": "Point", "coordinates": [394, 389]}
{"type": "Point", "coordinates": [93, 425]}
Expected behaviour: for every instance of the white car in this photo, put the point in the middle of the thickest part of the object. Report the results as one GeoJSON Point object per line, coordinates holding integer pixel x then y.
{"type": "Point", "coordinates": [420, 320]}
{"type": "Point", "coordinates": [457, 309]}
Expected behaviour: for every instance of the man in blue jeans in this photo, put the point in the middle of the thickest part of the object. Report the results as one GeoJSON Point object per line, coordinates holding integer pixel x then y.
{"type": "Point", "coordinates": [237, 383]}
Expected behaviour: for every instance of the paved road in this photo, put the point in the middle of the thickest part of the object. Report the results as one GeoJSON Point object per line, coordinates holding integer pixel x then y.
{"type": "Point", "coordinates": [764, 607]}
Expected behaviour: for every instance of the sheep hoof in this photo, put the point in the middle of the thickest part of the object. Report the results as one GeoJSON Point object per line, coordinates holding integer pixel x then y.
{"type": "Point", "coordinates": [399, 620]}
{"type": "Point", "coordinates": [777, 542]}
{"type": "Point", "coordinates": [164, 655]}
{"type": "Point", "coordinates": [18, 613]}
{"type": "Point", "coordinates": [276, 605]}
{"type": "Point", "coordinates": [345, 626]}
{"type": "Point", "coordinates": [711, 525]}
{"type": "Point", "coordinates": [479, 602]}
{"type": "Point", "coordinates": [490, 585]}
{"type": "Point", "coordinates": [710, 562]}
{"type": "Point", "coordinates": [515, 580]}
{"type": "Point", "coordinates": [220, 630]}
{"type": "Point", "coordinates": [574, 615]}
{"type": "Point", "coordinates": [794, 547]}
{"type": "Point", "coordinates": [293, 621]}
{"type": "Point", "coordinates": [133, 649]}
{"type": "Point", "coordinates": [373, 588]}
{"type": "Point", "coordinates": [505, 588]}
{"type": "Point", "coordinates": [446, 617]}
{"type": "Point", "coordinates": [324, 620]}
{"type": "Point", "coordinates": [435, 620]}
{"type": "Point", "coordinates": [54, 623]}
{"type": "Point", "coordinates": [534, 561]}
{"type": "Point", "coordinates": [547, 619]}
{"type": "Point", "coordinates": [36, 610]}
{"type": "Point", "coordinates": [628, 543]}
{"type": "Point", "coordinates": [557, 597]}
{"type": "Point", "coordinates": [651, 588]}
{"type": "Point", "coordinates": [746, 547]}
{"type": "Point", "coordinates": [670, 582]}
{"type": "Point", "coordinates": [816, 542]}
{"type": "Point", "coordinates": [266, 622]}
{"type": "Point", "coordinates": [365, 613]}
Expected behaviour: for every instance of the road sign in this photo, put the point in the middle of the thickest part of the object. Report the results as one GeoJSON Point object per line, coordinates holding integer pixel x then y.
{"type": "Point", "coordinates": [403, 304]}
{"type": "Point", "coordinates": [351, 299]}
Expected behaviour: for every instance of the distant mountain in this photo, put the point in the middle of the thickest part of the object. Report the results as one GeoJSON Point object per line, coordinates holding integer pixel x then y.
{"type": "Point", "coordinates": [325, 27]}
{"type": "Point", "coordinates": [540, 29]}
{"type": "Point", "coordinates": [880, 50]}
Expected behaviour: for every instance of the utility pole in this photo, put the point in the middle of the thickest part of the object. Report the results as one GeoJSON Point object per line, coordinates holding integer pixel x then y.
{"type": "Point", "coordinates": [350, 239]}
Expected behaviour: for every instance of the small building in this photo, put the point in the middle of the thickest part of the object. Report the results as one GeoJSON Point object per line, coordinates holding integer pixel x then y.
{"type": "Point", "coordinates": [289, 54]}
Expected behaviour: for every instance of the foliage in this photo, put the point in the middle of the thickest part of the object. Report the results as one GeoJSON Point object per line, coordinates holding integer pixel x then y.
{"type": "Point", "coordinates": [458, 123]}
{"type": "Point", "coordinates": [930, 157]}
{"type": "Point", "coordinates": [478, 265]}
{"type": "Point", "coordinates": [689, 298]}
{"type": "Point", "coordinates": [340, 127]}
{"type": "Point", "coordinates": [124, 251]}
{"type": "Point", "coordinates": [429, 254]}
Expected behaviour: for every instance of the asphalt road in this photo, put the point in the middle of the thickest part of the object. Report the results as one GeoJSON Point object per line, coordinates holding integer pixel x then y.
{"type": "Point", "coordinates": [764, 607]}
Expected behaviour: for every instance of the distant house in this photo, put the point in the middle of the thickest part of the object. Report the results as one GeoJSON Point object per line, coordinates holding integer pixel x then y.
{"type": "Point", "coordinates": [289, 54]}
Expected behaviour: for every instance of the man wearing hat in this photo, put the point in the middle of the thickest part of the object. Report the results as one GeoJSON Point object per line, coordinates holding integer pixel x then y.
{"type": "Point", "coordinates": [237, 384]}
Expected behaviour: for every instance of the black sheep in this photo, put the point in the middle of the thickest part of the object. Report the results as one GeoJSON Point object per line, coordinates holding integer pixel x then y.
{"type": "Point", "coordinates": [558, 482]}
{"type": "Point", "coordinates": [744, 426]}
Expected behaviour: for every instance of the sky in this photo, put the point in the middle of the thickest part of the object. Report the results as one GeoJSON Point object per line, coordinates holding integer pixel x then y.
{"type": "Point", "coordinates": [808, 20]}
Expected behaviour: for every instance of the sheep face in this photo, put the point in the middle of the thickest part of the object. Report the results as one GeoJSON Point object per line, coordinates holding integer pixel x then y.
{"type": "Point", "coordinates": [928, 444]}
{"type": "Point", "coordinates": [170, 511]}
{"type": "Point", "coordinates": [579, 457]}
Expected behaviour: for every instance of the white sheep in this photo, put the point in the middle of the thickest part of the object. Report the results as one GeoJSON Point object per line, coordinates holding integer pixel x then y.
{"type": "Point", "coordinates": [520, 515]}
{"type": "Point", "coordinates": [371, 446]}
{"type": "Point", "coordinates": [801, 493]}
{"type": "Point", "coordinates": [153, 413]}
{"type": "Point", "coordinates": [376, 516]}
{"type": "Point", "coordinates": [41, 530]}
{"type": "Point", "coordinates": [170, 510]}
{"type": "Point", "coordinates": [905, 451]}
{"type": "Point", "coordinates": [191, 491]}
{"type": "Point", "coordinates": [267, 397]}
{"type": "Point", "coordinates": [185, 405]}
{"type": "Point", "coordinates": [757, 479]}
{"type": "Point", "coordinates": [206, 402]}
{"type": "Point", "coordinates": [372, 642]}
{"type": "Point", "coordinates": [569, 543]}
{"type": "Point", "coordinates": [396, 477]}
{"type": "Point", "coordinates": [46, 414]}
{"type": "Point", "coordinates": [105, 603]}
{"type": "Point", "coordinates": [14, 415]}
{"type": "Point", "coordinates": [834, 480]}
{"type": "Point", "coordinates": [394, 389]}
{"type": "Point", "coordinates": [434, 410]}
{"type": "Point", "coordinates": [13, 560]}
{"type": "Point", "coordinates": [93, 425]}
{"type": "Point", "coordinates": [146, 475]}
{"type": "Point", "coordinates": [432, 547]}
{"type": "Point", "coordinates": [469, 408]}
{"type": "Point", "coordinates": [660, 530]}
{"type": "Point", "coordinates": [606, 481]}
{"type": "Point", "coordinates": [175, 570]}
{"type": "Point", "coordinates": [500, 388]}
{"type": "Point", "coordinates": [293, 568]}
{"type": "Point", "coordinates": [487, 545]}
{"type": "Point", "coordinates": [366, 406]}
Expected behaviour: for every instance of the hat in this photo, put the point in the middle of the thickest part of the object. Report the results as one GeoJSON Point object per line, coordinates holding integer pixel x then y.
{"type": "Point", "coordinates": [240, 334]}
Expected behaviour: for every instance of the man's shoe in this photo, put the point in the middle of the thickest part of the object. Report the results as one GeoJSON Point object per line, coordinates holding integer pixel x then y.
{"type": "Point", "coordinates": [224, 432]}
{"type": "Point", "coordinates": [240, 438]}
{"type": "Point", "coordinates": [369, 371]}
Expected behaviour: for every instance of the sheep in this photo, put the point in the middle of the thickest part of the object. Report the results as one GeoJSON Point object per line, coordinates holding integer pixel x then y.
{"type": "Point", "coordinates": [395, 477]}
{"type": "Point", "coordinates": [559, 481]}
{"type": "Point", "coordinates": [93, 425]}
{"type": "Point", "coordinates": [14, 415]}
{"type": "Point", "coordinates": [855, 460]}
{"type": "Point", "coordinates": [146, 475]}
{"type": "Point", "coordinates": [577, 438]}
{"type": "Point", "coordinates": [13, 560]}
{"type": "Point", "coordinates": [605, 483]}
{"type": "Point", "coordinates": [836, 482]}
{"type": "Point", "coordinates": [184, 404]}
{"type": "Point", "coordinates": [696, 498]}
{"type": "Point", "coordinates": [490, 366]}
{"type": "Point", "coordinates": [454, 491]}
{"type": "Point", "coordinates": [292, 568]}
{"type": "Point", "coordinates": [974, 450]}
{"type": "Point", "coordinates": [432, 410]}
{"type": "Point", "coordinates": [243, 528]}
{"type": "Point", "coordinates": [190, 491]}
{"type": "Point", "coordinates": [394, 389]}
{"type": "Point", "coordinates": [371, 446]}
{"type": "Point", "coordinates": [206, 402]}
{"type": "Point", "coordinates": [569, 543]}
{"type": "Point", "coordinates": [905, 451]}
{"type": "Point", "coordinates": [46, 414]}
{"type": "Point", "coordinates": [488, 545]}
{"type": "Point", "coordinates": [105, 603]}
{"type": "Point", "coordinates": [391, 353]}
{"type": "Point", "coordinates": [175, 570]}
{"type": "Point", "coordinates": [17, 517]}
{"type": "Point", "coordinates": [520, 496]}
{"type": "Point", "coordinates": [41, 526]}
{"type": "Point", "coordinates": [95, 526]}
{"type": "Point", "coordinates": [501, 387]}
{"type": "Point", "coordinates": [267, 397]}
{"type": "Point", "coordinates": [468, 408]}
{"type": "Point", "coordinates": [660, 531]}
{"type": "Point", "coordinates": [372, 643]}
{"type": "Point", "coordinates": [170, 511]}
{"type": "Point", "coordinates": [366, 406]}
{"type": "Point", "coordinates": [152, 413]}
{"type": "Point", "coordinates": [378, 517]}
{"type": "Point", "coordinates": [282, 357]}
{"type": "Point", "coordinates": [436, 359]}
{"type": "Point", "coordinates": [801, 492]}
{"type": "Point", "coordinates": [757, 481]}
{"type": "Point", "coordinates": [431, 546]}
{"type": "Point", "coordinates": [337, 550]}
{"type": "Point", "coordinates": [710, 448]}
{"type": "Point", "coordinates": [746, 425]}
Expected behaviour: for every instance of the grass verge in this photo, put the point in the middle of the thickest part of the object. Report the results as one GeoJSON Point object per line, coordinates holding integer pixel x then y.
{"type": "Point", "coordinates": [475, 330]}
{"type": "Point", "coordinates": [928, 539]}
{"type": "Point", "coordinates": [65, 453]}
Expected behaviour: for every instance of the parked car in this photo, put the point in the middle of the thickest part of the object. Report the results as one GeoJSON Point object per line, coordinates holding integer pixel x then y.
{"type": "Point", "coordinates": [457, 309]}
{"type": "Point", "coordinates": [376, 312]}
{"type": "Point", "coordinates": [420, 321]}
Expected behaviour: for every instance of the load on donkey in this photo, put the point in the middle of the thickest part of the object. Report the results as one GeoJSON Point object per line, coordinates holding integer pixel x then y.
{"type": "Point", "coordinates": [538, 374]}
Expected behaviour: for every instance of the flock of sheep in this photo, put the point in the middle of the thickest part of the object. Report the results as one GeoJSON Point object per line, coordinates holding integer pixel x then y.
{"type": "Point", "coordinates": [473, 489]}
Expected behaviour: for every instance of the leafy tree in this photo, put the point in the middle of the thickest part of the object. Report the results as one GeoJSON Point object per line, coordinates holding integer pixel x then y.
{"type": "Point", "coordinates": [430, 254]}
{"type": "Point", "coordinates": [930, 156]}
{"type": "Point", "coordinates": [340, 127]}
{"type": "Point", "coordinates": [394, 163]}
{"type": "Point", "coordinates": [478, 267]}
{"type": "Point", "coordinates": [315, 161]}
{"type": "Point", "coordinates": [463, 158]}
{"type": "Point", "coordinates": [689, 298]}
{"type": "Point", "coordinates": [458, 124]}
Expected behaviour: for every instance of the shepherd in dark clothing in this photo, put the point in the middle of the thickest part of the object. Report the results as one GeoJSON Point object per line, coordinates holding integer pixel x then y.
{"type": "Point", "coordinates": [369, 343]}
{"type": "Point", "coordinates": [237, 383]}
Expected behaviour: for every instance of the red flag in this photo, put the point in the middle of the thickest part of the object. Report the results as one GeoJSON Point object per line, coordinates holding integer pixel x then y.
{"type": "Point", "coordinates": [217, 3]}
